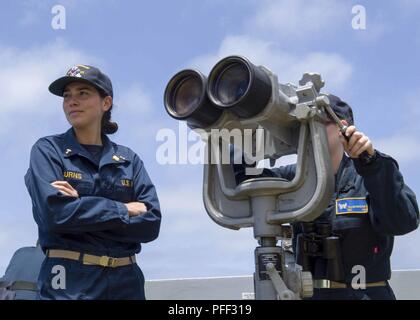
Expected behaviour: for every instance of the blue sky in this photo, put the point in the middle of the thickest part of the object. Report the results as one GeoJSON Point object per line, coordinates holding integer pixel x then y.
{"type": "Point", "coordinates": [141, 44]}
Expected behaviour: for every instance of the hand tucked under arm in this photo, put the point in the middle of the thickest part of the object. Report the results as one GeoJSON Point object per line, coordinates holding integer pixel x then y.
{"type": "Point", "coordinates": [65, 188]}
{"type": "Point", "coordinates": [135, 208]}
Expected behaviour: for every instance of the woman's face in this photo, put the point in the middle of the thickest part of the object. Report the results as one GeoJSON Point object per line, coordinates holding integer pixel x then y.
{"type": "Point", "coordinates": [83, 106]}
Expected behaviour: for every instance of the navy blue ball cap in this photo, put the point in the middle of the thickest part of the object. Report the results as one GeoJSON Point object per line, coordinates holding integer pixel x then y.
{"type": "Point", "coordinates": [82, 73]}
{"type": "Point", "coordinates": [341, 109]}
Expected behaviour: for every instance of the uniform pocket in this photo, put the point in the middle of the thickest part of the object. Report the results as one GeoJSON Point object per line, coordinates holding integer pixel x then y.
{"type": "Point", "coordinates": [84, 188]}
{"type": "Point", "coordinates": [123, 194]}
{"type": "Point", "coordinates": [357, 240]}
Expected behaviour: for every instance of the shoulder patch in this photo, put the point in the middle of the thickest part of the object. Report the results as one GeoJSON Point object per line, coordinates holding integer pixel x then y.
{"type": "Point", "coordinates": [351, 205]}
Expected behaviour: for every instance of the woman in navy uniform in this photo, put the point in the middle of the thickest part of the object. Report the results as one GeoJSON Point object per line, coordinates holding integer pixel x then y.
{"type": "Point", "coordinates": [371, 204]}
{"type": "Point", "coordinates": [92, 199]}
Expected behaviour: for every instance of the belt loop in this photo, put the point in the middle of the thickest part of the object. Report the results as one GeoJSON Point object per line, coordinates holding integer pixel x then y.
{"type": "Point", "coordinates": [81, 255]}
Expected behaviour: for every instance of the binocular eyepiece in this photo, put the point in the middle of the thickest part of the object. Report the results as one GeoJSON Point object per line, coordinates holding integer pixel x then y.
{"type": "Point", "coordinates": [186, 99]}
{"type": "Point", "coordinates": [318, 247]}
{"type": "Point", "coordinates": [234, 84]}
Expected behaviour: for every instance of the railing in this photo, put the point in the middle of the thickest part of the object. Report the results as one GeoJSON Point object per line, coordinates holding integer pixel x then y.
{"type": "Point", "coordinates": [405, 283]}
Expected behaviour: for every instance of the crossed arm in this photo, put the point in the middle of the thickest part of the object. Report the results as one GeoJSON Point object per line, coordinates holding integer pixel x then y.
{"type": "Point", "coordinates": [134, 208]}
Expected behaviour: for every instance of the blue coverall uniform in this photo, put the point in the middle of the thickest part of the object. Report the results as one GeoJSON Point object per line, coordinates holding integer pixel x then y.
{"type": "Point", "coordinates": [371, 204]}
{"type": "Point", "coordinates": [97, 222]}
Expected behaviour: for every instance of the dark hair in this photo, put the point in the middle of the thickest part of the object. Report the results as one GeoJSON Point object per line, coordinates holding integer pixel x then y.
{"type": "Point", "coordinates": [108, 127]}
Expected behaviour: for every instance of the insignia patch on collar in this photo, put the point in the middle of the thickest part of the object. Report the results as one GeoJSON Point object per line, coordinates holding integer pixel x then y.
{"type": "Point", "coordinates": [351, 205]}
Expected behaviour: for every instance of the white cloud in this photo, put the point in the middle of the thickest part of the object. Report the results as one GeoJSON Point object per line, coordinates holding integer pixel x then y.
{"type": "Point", "coordinates": [403, 147]}
{"type": "Point", "coordinates": [27, 105]}
{"type": "Point", "coordinates": [26, 101]}
{"type": "Point", "coordinates": [299, 19]}
{"type": "Point", "coordinates": [26, 75]}
{"type": "Point", "coordinates": [134, 100]}
{"type": "Point", "coordinates": [299, 22]}
{"type": "Point", "coordinates": [255, 49]}
{"type": "Point", "coordinates": [34, 12]}
{"type": "Point", "coordinates": [335, 70]}
{"type": "Point", "coordinates": [404, 144]}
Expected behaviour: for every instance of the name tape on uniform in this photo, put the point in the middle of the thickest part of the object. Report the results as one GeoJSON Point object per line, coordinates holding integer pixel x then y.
{"type": "Point", "coordinates": [72, 175]}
